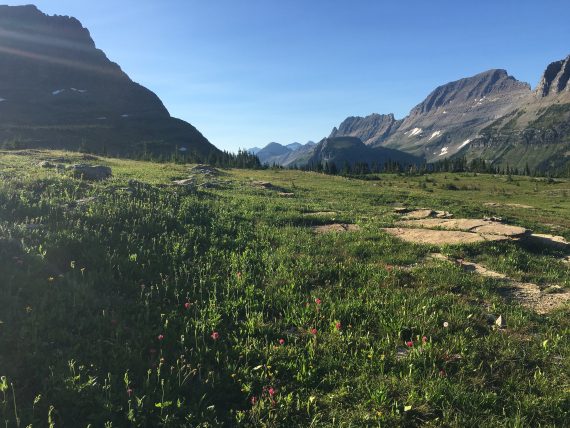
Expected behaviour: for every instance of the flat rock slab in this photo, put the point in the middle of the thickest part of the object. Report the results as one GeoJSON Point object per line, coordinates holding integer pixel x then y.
{"type": "Point", "coordinates": [441, 237]}
{"type": "Point", "coordinates": [498, 204]}
{"type": "Point", "coordinates": [486, 227]}
{"type": "Point", "coordinates": [185, 182]}
{"type": "Point", "coordinates": [336, 227]}
{"type": "Point", "coordinates": [91, 172]}
{"type": "Point", "coordinates": [527, 294]}
{"type": "Point", "coordinates": [418, 214]}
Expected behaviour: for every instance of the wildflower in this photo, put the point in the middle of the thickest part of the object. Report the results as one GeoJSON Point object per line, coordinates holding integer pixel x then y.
{"type": "Point", "coordinates": [409, 343]}
{"type": "Point", "coordinates": [129, 392]}
{"type": "Point", "coordinates": [442, 373]}
{"type": "Point", "coordinates": [28, 309]}
{"type": "Point", "coordinates": [282, 342]}
{"type": "Point", "coordinates": [215, 335]}
{"type": "Point", "coordinates": [445, 324]}
{"type": "Point", "coordinates": [424, 339]}
{"type": "Point", "coordinates": [253, 400]}
{"type": "Point", "coordinates": [338, 326]}
{"type": "Point", "coordinates": [160, 337]}
{"type": "Point", "coordinates": [187, 305]}
{"type": "Point", "coordinates": [318, 301]}
{"type": "Point", "coordinates": [271, 391]}
{"type": "Point", "coordinates": [314, 331]}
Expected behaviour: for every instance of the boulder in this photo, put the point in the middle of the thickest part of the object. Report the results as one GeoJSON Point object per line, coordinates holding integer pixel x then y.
{"type": "Point", "coordinates": [91, 172]}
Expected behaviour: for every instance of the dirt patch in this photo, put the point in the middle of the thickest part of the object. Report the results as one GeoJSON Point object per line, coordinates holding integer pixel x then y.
{"type": "Point", "coordinates": [527, 294]}
{"type": "Point", "coordinates": [441, 237]}
{"type": "Point", "coordinates": [336, 227]}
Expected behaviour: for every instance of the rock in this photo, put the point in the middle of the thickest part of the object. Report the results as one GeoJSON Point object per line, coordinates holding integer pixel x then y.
{"type": "Point", "coordinates": [91, 172]}
{"type": "Point", "coordinates": [440, 237]}
{"type": "Point", "coordinates": [418, 214]}
{"type": "Point", "coordinates": [336, 227]}
{"type": "Point", "coordinates": [500, 322]}
{"type": "Point", "coordinates": [188, 182]}
{"type": "Point", "coordinates": [494, 228]}
{"type": "Point", "coordinates": [286, 194]}
{"type": "Point", "coordinates": [46, 164]}
{"type": "Point", "coordinates": [204, 170]}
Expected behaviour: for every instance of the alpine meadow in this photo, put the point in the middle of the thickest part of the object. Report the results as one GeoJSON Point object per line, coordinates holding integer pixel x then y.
{"type": "Point", "coordinates": [404, 270]}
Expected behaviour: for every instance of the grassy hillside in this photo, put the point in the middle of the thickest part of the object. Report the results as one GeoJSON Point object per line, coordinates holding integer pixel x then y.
{"type": "Point", "coordinates": [134, 302]}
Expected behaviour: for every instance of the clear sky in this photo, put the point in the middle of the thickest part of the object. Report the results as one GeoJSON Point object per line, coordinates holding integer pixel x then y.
{"type": "Point", "coordinates": [253, 71]}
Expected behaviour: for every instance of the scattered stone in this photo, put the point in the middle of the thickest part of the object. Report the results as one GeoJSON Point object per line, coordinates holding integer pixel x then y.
{"type": "Point", "coordinates": [91, 172]}
{"type": "Point", "coordinates": [47, 165]}
{"type": "Point", "coordinates": [500, 322]}
{"type": "Point", "coordinates": [204, 170]}
{"type": "Point", "coordinates": [268, 186]}
{"type": "Point", "coordinates": [400, 210]}
{"type": "Point", "coordinates": [527, 294]}
{"type": "Point", "coordinates": [85, 201]}
{"type": "Point", "coordinates": [336, 227]}
{"type": "Point", "coordinates": [286, 194]}
{"type": "Point", "coordinates": [443, 214]}
{"type": "Point", "coordinates": [187, 182]}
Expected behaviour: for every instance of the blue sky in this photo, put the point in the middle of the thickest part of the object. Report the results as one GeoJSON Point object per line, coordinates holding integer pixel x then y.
{"type": "Point", "coordinates": [253, 71]}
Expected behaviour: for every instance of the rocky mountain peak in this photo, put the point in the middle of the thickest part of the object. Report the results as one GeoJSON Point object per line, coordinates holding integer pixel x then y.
{"type": "Point", "coordinates": [488, 83]}
{"type": "Point", "coordinates": [555, 78]}
{"type": "Point", "coordinates": [370, 129]}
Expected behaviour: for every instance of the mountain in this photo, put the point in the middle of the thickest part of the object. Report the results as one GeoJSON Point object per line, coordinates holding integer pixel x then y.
{"type": "Point", "coordinates": [58, 90]}
{"type": "Point", "coordinates": [341, 150]}
{"type": "Point", "coordinates": [289, 155]}
{"type": "Point", "coordinates": [294, 146]}
{"type": "Point", "coordinates": [536, 132]}
{"type": "Point", "coordinates": [254, 150]}
{"type": "Point", "coordinates": [490, 115]}
{"type": "Point", "coordinates": [372, 130]}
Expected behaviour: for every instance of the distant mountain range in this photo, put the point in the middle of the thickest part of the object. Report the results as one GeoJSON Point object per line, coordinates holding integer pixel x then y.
{"type": "Point", "coordinates": [58, 90]}
{"type": "Point", "coordinates": [294, 154]}
{"type": "Point", "coordinates": [490, 115]}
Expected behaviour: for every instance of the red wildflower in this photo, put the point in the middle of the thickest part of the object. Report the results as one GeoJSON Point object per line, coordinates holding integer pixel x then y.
{"type": "Point", "coordinates": [215, 335]}
{"type": "Point", "coordinates": [424, 339]}
{"type": "Point", "coordinates": [318, 301]}
{"type": "Point", "coordinates": [313, 331]}
{"type": "Point", "coordinates": [338, 326]}
{"type": "Point", "coordinates": [271, 391]}
{"type": "Point", "coordinates": [282, 341]}
{"type": "Point", "coordinates": [187, 305]}
{"type": "Point", "coordinates": [409, 343]}
{"type": "Point", "coordinates": [160, 337]}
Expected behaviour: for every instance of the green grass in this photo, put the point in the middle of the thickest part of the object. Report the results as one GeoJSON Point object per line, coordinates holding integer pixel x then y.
{"type": "Point", "coordinates": [108, 307]}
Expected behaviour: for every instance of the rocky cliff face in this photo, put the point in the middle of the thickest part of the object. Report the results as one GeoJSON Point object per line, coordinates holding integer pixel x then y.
{"type": "Point", "coordinates": [453, 114]}
{"type": "Point", "coordinates": [555, 79]}
{"type": "Point", "coordinates": [59, 90]}
{"type": "Point", "coordinates": [372, 129]}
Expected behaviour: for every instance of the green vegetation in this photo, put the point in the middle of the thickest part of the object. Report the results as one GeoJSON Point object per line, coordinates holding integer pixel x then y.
{"type": "Point", "coordinates": [131, 302]}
